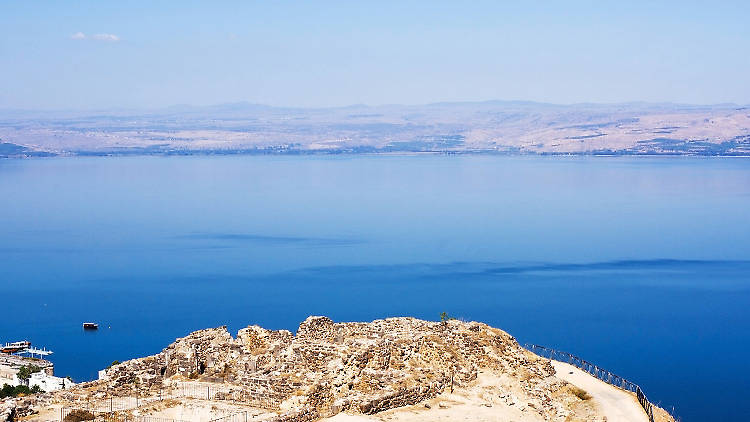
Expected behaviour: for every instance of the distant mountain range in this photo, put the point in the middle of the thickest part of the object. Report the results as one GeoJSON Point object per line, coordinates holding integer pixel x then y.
{"type": "Point", "coordinates": [491, 127]}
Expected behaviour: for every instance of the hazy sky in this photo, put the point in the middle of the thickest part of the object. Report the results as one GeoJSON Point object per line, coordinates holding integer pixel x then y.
{"type": "Point", "coordinates": [93, 54]}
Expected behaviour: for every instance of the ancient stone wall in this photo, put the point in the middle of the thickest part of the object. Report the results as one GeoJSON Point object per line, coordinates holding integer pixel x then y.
{"type": "Point", "coordinates": [328, 367]}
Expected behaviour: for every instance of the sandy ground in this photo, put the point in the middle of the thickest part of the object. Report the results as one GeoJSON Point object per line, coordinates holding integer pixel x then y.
{"type": "Point", "coordinates": [479, 404]}
{"type": "Point", "coordinates": [617, 405]}
{"type": "Point", "coordinates": [202, 411]}
{"type": "Point", "coordinates": [454, 409]}
{"type": "Point", "coordinates": [492, 398]}
{"type": "Point", "coordinates": [189, 410]}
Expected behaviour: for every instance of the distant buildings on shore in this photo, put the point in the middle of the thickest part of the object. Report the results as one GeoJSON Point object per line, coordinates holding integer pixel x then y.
{"type": "Point", "coordinates": [10, 365]}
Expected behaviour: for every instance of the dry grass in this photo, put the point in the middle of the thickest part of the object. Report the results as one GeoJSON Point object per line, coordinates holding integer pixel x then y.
{"type": "Point", "coordinates": [79, 415]}
{"type": "Point", "coordinates": [661, 415]}
{"type": "Point", "coordinates": [579, 392]}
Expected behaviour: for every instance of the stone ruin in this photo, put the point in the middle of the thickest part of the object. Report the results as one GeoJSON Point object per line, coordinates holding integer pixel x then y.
{"type": "Point", "coordinates": [328, 367]}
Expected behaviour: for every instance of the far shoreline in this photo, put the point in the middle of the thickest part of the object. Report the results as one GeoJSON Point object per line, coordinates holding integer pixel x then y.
{"type": "Point", "coordinates": [324, 153]}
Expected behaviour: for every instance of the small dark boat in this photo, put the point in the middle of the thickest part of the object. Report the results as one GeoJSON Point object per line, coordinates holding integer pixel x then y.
{"type": "Point", "coordinates": [90, 326]}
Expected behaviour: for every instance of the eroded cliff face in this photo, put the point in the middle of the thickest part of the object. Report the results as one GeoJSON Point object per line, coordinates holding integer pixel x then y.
{"type": "Point", "coordinates": [331, 367]}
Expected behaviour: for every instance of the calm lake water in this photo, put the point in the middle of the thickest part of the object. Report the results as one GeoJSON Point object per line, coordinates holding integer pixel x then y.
{"type": "Point", "coordinates": [641, 265]}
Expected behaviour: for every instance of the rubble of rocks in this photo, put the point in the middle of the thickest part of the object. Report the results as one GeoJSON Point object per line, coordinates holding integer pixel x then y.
{"type": "Point", "coordinates": [14, 408]}
{"type": "Point", "coordinates": [331, 367]}
{"type": "Point", "coordinates": [7, 410]}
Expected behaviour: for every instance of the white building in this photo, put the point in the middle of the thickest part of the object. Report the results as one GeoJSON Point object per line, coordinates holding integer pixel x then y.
{"type": "Point", "coordinates": [49, 382]}
{"type": "Point", "coordinates": [9, 366]}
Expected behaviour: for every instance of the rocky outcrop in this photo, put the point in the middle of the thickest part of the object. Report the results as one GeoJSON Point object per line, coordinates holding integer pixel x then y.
{"type": "Point", "coordinates": [330, 367]}
{"type": "Point", "coordinates": [7, 410]}
{"type": "Point", "coordinates": [12, 409]}
{"type": "Point", "coordinates": [327, 368]}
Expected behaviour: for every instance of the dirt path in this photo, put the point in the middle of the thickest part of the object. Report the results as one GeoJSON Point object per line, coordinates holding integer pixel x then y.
{"type": "Point", "coordinates": [617, 405]}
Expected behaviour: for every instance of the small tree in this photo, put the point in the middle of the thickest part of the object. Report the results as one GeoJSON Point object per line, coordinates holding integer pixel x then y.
{"type": "Point", "coordinates": [445, 317]}
{"type": "Point", "coordinates": [24, 372]}
{"type": "Point", "coordinates": [7, 391]}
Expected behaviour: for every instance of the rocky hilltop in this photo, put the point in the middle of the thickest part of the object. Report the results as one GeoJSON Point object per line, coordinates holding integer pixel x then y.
{"type": "Point", "coordinates": [325, 369]}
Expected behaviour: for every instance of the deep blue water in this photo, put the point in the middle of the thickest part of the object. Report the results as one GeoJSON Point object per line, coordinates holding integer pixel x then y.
{"type": "Point", "coordinates": [641, 265]}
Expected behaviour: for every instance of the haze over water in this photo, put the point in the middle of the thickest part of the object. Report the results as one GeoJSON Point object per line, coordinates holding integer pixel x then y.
{"type": "Point", "coordinates": [640, 265]}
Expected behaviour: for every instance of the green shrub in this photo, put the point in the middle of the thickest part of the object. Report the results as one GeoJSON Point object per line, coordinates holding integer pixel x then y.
{"type": "Point", "coordinates": [445, 317]}
{"type": "Point", "coordinates": [18, 390]}
{"type": "Point", "coordinates": [24, 372]}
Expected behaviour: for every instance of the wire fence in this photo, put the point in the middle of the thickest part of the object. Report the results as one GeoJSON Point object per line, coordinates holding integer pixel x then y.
{"type": "Point", "coordinates": [80, 414]}
{"type": "Point", "coordinates": [234, 417]}
{"type": "Point", "coordinates": [114, 404]}
{"type": "Point", "coordinates": [234, 394]}
{"type": "Point", "coordinates": [598, 372]}
{"type": "Point", "coordinates": [153, 419]}
{"type": "Point", "coordinates": [116, 409]}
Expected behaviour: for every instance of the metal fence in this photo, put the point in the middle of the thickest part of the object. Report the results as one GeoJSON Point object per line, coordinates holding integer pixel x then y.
{"type": "Point", "coordinates": [97, 416]}
{"type": "Point", "coordinates": [153, 419]}
{"type": "Point", "coordinates": [114, 404]}
{"type": "Point", "coordinates": [208, 391]}
{"type": "Point", "coordinates": [234, 417]}
{"type": "Point", "coordinates": [91, 415]}
{"type": "Point", "coordinates": [117, 404]}
{"type": "Point", "coordinates": [114, 409]}
{"type": "Point", "coordinates": [596, 371]}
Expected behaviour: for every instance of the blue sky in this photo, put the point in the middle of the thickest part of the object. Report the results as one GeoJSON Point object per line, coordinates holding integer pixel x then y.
{"type": "Point", "coordinates": [99, 54]}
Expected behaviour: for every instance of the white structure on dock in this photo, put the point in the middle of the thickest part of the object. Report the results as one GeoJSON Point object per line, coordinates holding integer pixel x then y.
{"type": "Point", "coordinates": [24, 348]}
{"type": "Point", "coordinates": [34, 352]}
